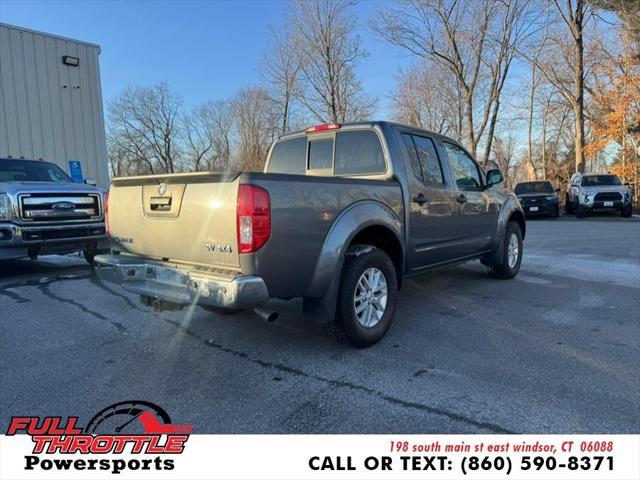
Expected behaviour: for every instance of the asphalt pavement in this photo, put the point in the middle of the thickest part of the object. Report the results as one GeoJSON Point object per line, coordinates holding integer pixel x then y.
{"type": "Point", "coordinates": [555, 350]}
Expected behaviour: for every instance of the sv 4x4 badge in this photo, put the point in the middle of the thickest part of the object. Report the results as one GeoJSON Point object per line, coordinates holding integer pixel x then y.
{"type": "Point", "coordinates": [132, 427]}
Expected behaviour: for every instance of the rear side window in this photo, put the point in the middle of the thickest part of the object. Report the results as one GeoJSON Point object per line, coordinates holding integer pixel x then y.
{"type": "Point", "coordinates": [359, 153]}
{"type": "Point", "coordinates": [289, 156]}
{"type": "Point", "coordinates": [424, 159]}
{"type": "Point", "coordinates": [413, 156]}
{"type": "Point", "coordinates": [431, 170]}
{"type": "Point", "coordinates": [321, 154]}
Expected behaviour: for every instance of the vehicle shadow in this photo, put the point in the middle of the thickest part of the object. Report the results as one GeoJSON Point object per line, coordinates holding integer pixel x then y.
{"type": "Point", "coordinates": [47, 265]}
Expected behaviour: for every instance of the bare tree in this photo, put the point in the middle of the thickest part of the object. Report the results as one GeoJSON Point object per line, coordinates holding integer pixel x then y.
{"type": "Point", "coordinates": [205, 133]}
{"type": "Point", "coordinates": [280, 68]}
{"type": "Point", "coordinates": [426, 98]}
{"type": "Point", "coordinates": [475, 41]}
{"type": "Point", "coordinates": [505, 155]}
{"type": "Point", "coordinates": [328, 52]}
{"type": "Point", "coordinates": [253, 128]}
{"type": "Point", "coordinates": [537, 47]}
{"type": "Point", "coordinates": [143, 126]}
{"type": "Point", "coordinates": [574, 14]}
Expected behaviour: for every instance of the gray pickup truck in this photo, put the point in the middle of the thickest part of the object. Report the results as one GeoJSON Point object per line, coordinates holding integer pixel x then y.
{"type": "Point", "coordinates": [43, 212]}
{"type": "Point", "coordinates": [340, 215]}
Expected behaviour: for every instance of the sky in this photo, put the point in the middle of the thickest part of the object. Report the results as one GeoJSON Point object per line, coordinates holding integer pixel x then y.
{"type": "Point", "coordinates": [203, 49]}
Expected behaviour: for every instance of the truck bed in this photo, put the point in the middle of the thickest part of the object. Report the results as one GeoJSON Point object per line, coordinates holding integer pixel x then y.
{"type": "Point", "coordinates": [189, 221]}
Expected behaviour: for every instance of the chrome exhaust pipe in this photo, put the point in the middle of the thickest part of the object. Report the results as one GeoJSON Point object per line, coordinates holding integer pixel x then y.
{"type": "Point", "coordinates": [268, 315]}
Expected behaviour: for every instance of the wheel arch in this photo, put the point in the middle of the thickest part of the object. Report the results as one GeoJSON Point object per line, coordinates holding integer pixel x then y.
{"type": "Point", "coordinates": [367, 222]}
{"type": "Point", "coordinates": [518, 217]}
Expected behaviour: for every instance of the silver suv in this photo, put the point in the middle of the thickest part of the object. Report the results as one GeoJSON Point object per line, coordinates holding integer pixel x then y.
{"type": "Point", "coordinates": [591, 191]}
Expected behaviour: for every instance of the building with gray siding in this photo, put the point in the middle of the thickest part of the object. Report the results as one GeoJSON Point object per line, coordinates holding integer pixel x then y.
{"type": "Point", "coordinates": [51, 101]}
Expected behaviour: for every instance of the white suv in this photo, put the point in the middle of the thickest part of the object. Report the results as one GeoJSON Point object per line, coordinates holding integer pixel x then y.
{"type": "Point", "coordinates": [590, 191]}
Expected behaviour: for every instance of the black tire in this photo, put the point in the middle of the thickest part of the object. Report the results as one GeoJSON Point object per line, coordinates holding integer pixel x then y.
{"type": "Point", "coordinates": [500, 267]}
{"type": "Point", "coordinates": [89, 256]}
{"type": "Point", "coordinates": [556, 212]}
{"type": "Point", "coordinates": [626, 211]}
{"type": "Point", "coordinates": [581, 212]}
{"type": "Point", "coordinates": [359, 259]}
{"type": "Point", "coordinates": [568, 206]}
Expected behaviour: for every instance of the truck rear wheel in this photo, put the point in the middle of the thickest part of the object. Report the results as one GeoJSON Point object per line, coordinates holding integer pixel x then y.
{"type": "Point", "coordinates": [509, 256]}
{"type": "Point", "coordinates": [367, 296]}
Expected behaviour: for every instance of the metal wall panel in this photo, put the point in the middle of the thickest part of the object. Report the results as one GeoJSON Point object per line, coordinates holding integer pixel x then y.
{"type": "Point", "coordinates": [49, 110]}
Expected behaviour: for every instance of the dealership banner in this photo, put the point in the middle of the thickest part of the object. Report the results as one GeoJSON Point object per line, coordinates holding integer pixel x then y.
{"type": "Point", "coordinates": [177, 454]}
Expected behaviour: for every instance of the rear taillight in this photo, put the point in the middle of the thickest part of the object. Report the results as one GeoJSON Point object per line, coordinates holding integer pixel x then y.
{"type": "Point", "coordinates": [253, 218]}
{"type": "Point", "coordinates": [106, 213]}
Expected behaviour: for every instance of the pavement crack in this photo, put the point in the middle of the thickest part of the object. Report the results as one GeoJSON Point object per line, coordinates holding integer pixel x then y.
{"type": "Point", "coordinates": [14, 296]}
{"type": "Point", "coordinates": [344, 384]}
{"type": "Point", "coordinates": [38, 282]}
{"type": "Point", "coordinates": [44, 288]}
{"type": "Point", "coordinates": [96, 282]}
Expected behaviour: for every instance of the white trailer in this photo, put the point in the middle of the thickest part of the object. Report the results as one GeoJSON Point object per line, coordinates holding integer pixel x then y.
{"type": "Point", "coordinates": [51, 102]}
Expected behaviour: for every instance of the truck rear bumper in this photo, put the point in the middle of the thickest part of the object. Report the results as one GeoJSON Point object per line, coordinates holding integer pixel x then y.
{"type": "Point", "coordinates": [175, 286]}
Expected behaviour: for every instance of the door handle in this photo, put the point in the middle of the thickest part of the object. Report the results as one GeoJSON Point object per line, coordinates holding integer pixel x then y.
{"type": "Point", "coordinates": [420, 199]}
{"type": "Point", "coordinates": [461, 198]}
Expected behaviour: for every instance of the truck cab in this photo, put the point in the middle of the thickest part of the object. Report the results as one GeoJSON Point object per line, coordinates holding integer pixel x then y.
{"type": "Point", "coordinates": [43, 212]}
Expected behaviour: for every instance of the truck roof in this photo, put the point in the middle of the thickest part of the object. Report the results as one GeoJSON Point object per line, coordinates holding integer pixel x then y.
{"type": "Point", "coordinates": [371, 124]}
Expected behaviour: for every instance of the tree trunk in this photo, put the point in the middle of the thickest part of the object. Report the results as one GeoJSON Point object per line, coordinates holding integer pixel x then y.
{"type": "Point", "coordinates": [544, 145]}
{"type": "Point", "coordinates": [492, 128]}
{"type": "Point", "coordinates": [578, 107]}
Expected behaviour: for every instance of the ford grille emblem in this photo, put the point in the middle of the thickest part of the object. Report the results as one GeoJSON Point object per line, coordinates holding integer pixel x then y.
{"type": "Point", "coordinates": [63, 206]}
{"type": "Point", "coordinates": [162, 188]}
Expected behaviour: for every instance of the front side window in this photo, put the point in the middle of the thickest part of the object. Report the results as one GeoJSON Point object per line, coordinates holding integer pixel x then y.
{"type": "Point", "coordinates": [321, 154]}
{"type": "Point", "coordinates": [359, 153]}
{"type": "Point", "coordinates": [289, 156]}
{"type": "Point", "coordinates": [465, 170]}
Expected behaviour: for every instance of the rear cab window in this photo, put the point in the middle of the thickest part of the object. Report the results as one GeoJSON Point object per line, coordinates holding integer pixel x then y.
{"type": "Point", "coordinates": [321, 155]}
{"type": "Point", "coordinates": [289, 156]}
{"type": "Point", "coordinates": [341, 153]}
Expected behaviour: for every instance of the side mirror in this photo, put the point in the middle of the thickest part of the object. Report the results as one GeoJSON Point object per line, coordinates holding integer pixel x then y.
{"type": "Point", "coordinates": [91, 181]}
{"type": "Point", "coordinates": [494, 177]}
{"type": "Point", "coordinates": [627, 184]}
{"type": "Point", "coordinates": [557, 190]}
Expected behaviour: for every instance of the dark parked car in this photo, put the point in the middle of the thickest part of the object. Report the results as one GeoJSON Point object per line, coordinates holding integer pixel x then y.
{"type": "Point", "coordinates": [538, 198]}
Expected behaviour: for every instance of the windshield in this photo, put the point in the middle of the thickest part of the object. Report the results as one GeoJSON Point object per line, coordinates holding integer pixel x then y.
{"type": "Point", "coordinates": [598, 180]}
{"type": "Point", "coordinates": [533, 187]}
{"type": "Point", "coordinates": [31, 171]}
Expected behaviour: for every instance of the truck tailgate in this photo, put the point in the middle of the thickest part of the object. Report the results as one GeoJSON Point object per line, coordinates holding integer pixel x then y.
{"type": "Point", "coordinates": [184, 218]}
